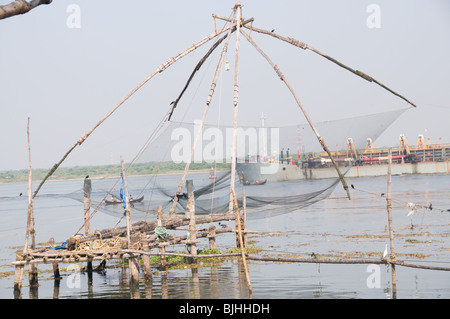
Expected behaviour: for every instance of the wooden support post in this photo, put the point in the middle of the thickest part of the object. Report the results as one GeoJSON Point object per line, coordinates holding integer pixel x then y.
{"type": "Point", "coordinates": [33, 274]}
{"type": "Point", "coordinates": [133, 261]}
{"type": "Point", "coordinates": [391, 231]}
{"type": "Point", "coordinates": [127, 203]}
{"type": "Point", "coordinates": [162, 250]}
{"type": "Point", "coordinates": [89, 270]}
{"type": "Point", "coordinates": [244, 258]}
{"type": "Point", "coordinates": [192, 224]}
{"type": "Point", "coordinates": [190, 192]}
{"type": "Point", "coordinates": [161, 246]}
{"type": "Point", "coordinates": [87, 187]}
{"type": "Point", "coordinates": [56, 274]}
{"type": "Point", "coordinates": [147, 269]}
{"type": "Point", "coordinates": [160, 213]}
{"type": "Point", "coordinates": [18, 275]}
{"type": "Point", "coordinates": [244, 218]}
{"type": "Point", "coordinates": [212, 237]}
{"type": "Point", "coordinates": [133, 267]}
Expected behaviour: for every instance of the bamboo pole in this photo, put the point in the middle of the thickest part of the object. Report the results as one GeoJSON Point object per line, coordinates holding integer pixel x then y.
{"type": "Point", "coordinates": [192, 225]}
{"type": "Point", "coordinates": [244, 216]}
{"type": "Point", "coordinates": [391, 231]}
{"type": "Point", "coordinates": [212, 237]}
{"type": "Point", "coordinates": [133, 261]}
{"type": "Point", "coordinates": [241, 243]}
{"type": "Point", "coordinates": [127, 203]}
{"type": "Point", "coordinates": [87, 187]}
{"type": "Point", "coordinates": [33, 275]}
{"type": "Point", "coordinates": [161, 246]}
{"type": "Point", "coordinates": [321, 140]}
{"type": "Point", "coordinates": [160, 69]}
{"type": "Point", "coordinates": [205, 112]}
{"type": "Point", "coordinates": [238, 9]}
{"type": "Point", "coordinates": [123, 253]}
{"type": "Point", "coordinates": [87, 205]}
{"type": "Point", "coordinates": [305, 46]}
{"type": "Point", "coordinates": [170, 222]}
{"type": "Point", "coordinates": [147, 269]}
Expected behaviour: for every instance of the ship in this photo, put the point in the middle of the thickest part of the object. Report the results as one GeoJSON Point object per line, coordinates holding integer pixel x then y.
{"type": "Point", "coordinates": [368, 162]}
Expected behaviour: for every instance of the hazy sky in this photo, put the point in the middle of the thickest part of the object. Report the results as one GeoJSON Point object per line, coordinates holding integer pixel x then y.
{"type": "Point", "coordinates": [65, 65]}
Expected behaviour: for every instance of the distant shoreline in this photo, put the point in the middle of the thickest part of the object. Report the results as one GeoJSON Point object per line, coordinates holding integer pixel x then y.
{"type": "Point", "coordinates": [39, 176]}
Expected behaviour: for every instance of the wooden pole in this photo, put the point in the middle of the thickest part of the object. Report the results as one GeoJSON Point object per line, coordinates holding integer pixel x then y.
{"type": "Point", "coordinates": [160, 69]}
{"type": "Point", "coordinates": [244, 217]}
{"type": "Point", "coordinates": [241, 244]}
{"type": "Point", "coordinates": [321, 140]}
{"type": "Point", "coordinates": [238, 9]}
{"type": "Point", "coordinates": [127, 207]}
{"type": "Point", "coordinates": [18, 274]}
{"type": "Point", "coordinates": [30, 223]}
{"type": "Point", "coordinates": [133, 261]}
{"type": "Point", "coordinates": [87, 187]}
{"type": "Point", "coordinates": [391, 231]}
{"type": "Point", "coordinates": [33, 275]}
{"type": "Point", "coordinates": [212, 237]}
{"type": "Point", "coordinates": [147, 269]}
{"type": "Point", "coordinates": [305, 46]}
{"type": "Point", "coordinates": [161, 246]}
{"type": "Point", "coordinates": [205, 112]}
{"type": "Point", "coordinates": [192, 225]}
{"type": "Point", "coordinates": [189, 190]}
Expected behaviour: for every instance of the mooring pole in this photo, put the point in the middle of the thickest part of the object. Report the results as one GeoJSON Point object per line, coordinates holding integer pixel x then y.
{"type": "Point", "coordinates": [33, 275]}
{"type": "Point", "coordinates": [391, 231]}
{"type": "Point", "coordinates": [133, 261]}
{"type": "Point", "coordinates": [87, 187]}
{"type": "Point", "coordinates": [192, 225]}
{"type": "Point", "coordinates": [127, 207]}
{"type": "Point", "coordinates": [162, 246]}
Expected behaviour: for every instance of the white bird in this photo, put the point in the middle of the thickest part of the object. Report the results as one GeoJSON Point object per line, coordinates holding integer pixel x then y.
{"type": "Point", "coordinates": [385, 251]}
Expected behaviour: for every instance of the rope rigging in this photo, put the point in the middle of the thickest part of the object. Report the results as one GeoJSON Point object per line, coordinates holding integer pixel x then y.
{"type": "Point", "coordinates": [233, 23]}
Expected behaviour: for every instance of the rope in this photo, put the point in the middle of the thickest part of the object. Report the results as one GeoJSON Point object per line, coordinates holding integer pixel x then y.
{"type": "Point", "coordinates": [408, 205]}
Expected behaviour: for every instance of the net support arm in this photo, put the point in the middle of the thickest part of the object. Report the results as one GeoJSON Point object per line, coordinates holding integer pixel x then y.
{"type": "Point", "coordinates": [321, 140]}
{"type": "Point", "coordinates": [305, 46]}
{"type": "Point", "coordinates": [160, 69]}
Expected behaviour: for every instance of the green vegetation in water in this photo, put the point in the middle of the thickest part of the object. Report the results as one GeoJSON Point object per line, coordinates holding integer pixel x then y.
{"type": "Point", "coordinates": [180, 262]}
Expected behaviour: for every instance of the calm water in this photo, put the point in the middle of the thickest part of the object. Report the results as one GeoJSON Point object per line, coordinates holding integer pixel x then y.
{"type": "Point", "coordinates": [335, 226]}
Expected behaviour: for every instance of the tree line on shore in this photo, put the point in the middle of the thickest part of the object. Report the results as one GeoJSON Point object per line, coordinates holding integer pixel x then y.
{"type": "Point", "coordinates": [107, 170]}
